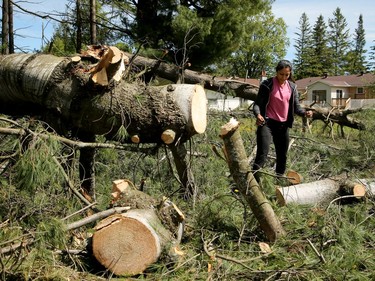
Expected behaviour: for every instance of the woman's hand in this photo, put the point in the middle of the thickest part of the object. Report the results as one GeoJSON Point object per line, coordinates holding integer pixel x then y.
{"type": "Point", "coordinates": [260, 120]}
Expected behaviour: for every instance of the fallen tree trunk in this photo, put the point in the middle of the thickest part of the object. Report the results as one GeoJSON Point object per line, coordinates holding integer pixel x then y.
{"type": "Point", "coordinates": [171, 72]}
{"type": "Point", "coordinates": [235, 155]}
{"type": "Point", "coordinates": [68, 94]}
{"type": "Point", "coordinates": [323, 191]}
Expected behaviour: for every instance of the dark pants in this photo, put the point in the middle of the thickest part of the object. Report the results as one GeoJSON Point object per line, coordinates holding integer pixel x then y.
{"type": "Point", "coordinates": [278, 132]}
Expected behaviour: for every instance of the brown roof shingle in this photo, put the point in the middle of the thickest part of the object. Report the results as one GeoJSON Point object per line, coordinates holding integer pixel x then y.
{"type": "Point", "coordinates": [355, 80]}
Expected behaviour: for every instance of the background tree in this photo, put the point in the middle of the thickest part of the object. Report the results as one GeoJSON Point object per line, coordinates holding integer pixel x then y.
{"type": "Point", "coordinates": [321, 59]}
{"type": "Point", "coordinates": [264, 44]}
{"type": "Point", "coordinates": [75, 28]}
{"type": "Point", "coordinates": [5, 28]}
{"type": "Point", "coordinates": [357, 56]}
{"type": "Point", "coordinates": [93, 39]}
{"type": "Point", "coordinates": [371, 58]}
{"type": "Point", "coordinates": [303, 66]}
{"type": "Point", "coordinates": [338, 35]}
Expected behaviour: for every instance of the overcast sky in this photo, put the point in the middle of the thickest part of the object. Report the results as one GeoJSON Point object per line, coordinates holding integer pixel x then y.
{"type": "Point", "coordinates": [29, 28]}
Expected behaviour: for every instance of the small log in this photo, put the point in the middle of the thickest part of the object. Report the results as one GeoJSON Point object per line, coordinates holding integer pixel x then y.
{"type": "Point", "coordinates": [127, 244]}
{"type": "Point", "coordinates": [246, 183]}
{"type": "Point", "coordinates": [307, 193]}
{"type": "Point", "coordinates": [318, 192]}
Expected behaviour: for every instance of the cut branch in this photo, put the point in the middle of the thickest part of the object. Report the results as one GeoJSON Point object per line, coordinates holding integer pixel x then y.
{"type": "Point", "coordinates": [239, 167]}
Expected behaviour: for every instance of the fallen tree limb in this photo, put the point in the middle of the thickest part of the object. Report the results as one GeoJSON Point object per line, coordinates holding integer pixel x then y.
{"type": "Point", "coordinates": [171, 73]}
{"type": "Point", "coordinates": [338, 116]}
{"type": "Point", "coordinates": [239, 167]}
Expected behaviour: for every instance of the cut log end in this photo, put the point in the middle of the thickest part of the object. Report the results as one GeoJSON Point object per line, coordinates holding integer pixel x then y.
{"type": "Point", "coordinates": [126, 247]}
{"type": "Point", "coordinates": [199, 110]}
{"type": "Point", "coordinates": [168, 136]}
{"type": "Point", "coordinates": [229, 127]}
{"type": "Point", "coordinates": [280, 197]}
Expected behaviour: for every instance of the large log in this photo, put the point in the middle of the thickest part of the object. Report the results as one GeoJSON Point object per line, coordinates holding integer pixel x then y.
{"type": "Point", "coordinates": [69, 94]}
{"type": "Point", "coordinates": [323, 191]}
{"type": "Point", "coordinates": [235, 154]}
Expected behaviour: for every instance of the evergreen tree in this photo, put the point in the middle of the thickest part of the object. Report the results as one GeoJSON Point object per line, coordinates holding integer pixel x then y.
{"type": "Point", "coordinates": [371, 62]}
{"type": "Point", "coordinates": [264, 44]}
{"type": "Point", "coordinates": [339, 42]}
{"type": "Point", "coordinates": [321, 56]}
{"type": "Point", "coordinates": [303, 66]}
{"type": "Point", "coordinates": [357, 56]}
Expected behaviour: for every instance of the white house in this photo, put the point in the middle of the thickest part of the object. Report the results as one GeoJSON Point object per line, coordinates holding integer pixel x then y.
{"type": "Point", "coordinates": [351, 91]}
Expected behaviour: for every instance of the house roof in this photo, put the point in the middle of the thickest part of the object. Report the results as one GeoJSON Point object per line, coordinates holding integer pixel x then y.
{"type": "Point", "coordinates": [355, 80]}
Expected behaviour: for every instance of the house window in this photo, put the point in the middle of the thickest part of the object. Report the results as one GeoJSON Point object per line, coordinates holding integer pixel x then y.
{"type": "Point", "coordinates": [360, 91]}
{"type": "Point", "coordinates": [339, 94]}
{"type": "Point", "coordinates": [319, 96]}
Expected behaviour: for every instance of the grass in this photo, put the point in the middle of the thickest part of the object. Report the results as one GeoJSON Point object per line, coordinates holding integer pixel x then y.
{"type": "Point", "coordinates": [222, 239]}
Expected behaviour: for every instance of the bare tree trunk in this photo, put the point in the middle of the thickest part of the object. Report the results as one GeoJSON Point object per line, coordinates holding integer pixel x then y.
{"type": "Point", "coordinates": [5, 28]}
{"type": "Point", "coordinates": [11, 29]}
{"type": "Point", "coordinates": [79, 26]}
{"type": "Point", "coordinates": [239, 167]}
{"type": "Point", "coordinates": [87, 166]}
{"type": "Point", "coordinates": [93, 22]}
{"type": "Point", "coordinates": [184, 171]}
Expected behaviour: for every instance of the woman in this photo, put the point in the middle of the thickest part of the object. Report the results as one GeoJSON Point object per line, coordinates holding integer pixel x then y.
{"type": "Point", "coordinates": [274, 109]}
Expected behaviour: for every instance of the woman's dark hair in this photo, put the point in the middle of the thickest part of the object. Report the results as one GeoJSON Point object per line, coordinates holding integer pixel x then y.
{"type": "Point", "coordinates": [285, 64]}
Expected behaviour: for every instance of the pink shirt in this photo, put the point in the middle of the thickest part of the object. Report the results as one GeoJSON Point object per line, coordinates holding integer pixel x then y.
{"type": "Point", "coordinates": [278, 105]}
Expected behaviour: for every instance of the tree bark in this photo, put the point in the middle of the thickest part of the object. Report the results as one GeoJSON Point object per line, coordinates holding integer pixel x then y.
{"type": "Point", "coordinates": [239, 167]}
{"type": "Point", "coordinates": [62, 92]}
{"type": "Point", "coordinates": [5, 28]}
{"type": "Point", "coordinates": [93, 22]}
{"type": "Point", "coordinates": [185, 174]}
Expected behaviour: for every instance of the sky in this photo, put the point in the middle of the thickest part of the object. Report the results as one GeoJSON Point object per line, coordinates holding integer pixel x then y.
{"type": "Point", "coordinates": [292, 10]}
{"type": "Point", "coordinates": [29, 28]}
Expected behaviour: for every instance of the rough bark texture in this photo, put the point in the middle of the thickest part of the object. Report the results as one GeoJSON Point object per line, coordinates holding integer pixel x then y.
{"type": "Point", "coordinates": [60, 91]}
{"type": "Point", "coordinates": [239, 167]}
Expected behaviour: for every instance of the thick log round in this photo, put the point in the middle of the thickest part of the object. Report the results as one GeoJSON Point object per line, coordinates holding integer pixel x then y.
{"type": "Point", "coordinates": [127, 244]}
